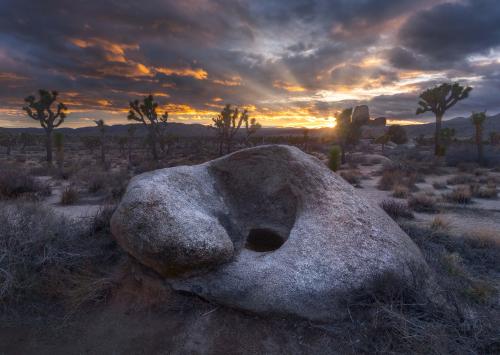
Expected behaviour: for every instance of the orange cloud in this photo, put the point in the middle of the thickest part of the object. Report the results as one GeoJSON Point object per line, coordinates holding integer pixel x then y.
{"type": "Point", "coordinates": [288, 87]}
{"type": "Point", "coordinates": [233, 81]}
{"type": "Point", "coordinates": [198, 73]}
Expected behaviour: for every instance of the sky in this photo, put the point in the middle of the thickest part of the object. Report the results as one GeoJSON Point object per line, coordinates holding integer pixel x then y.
{"type": "Point", "coordinates": [291, 63]}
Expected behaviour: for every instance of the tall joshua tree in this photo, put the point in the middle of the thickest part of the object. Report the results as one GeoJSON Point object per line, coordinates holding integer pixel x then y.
{"type": "Point", "coordinates": [41, 110]}
{"type": "Point", "coordinates": [478, 119]}
{"type": "Point", "coordinates": [102, 130]}
{"type": "Point", "coordinates": [227, 124]}
{"type": "Point", "coordinates": [145, 113]}
{"type": "Point", "coordinates": [438, 100]}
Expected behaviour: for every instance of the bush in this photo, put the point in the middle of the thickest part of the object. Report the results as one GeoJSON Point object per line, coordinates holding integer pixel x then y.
{"type": "Point", "coordinates": [440, 224]}
{"type": "Point", "coordinates": [43, 255]}
{"type": "Point", "coordinates": [334, 158]}
{"type": "Point", "coordinates": [461, 179]}
{"type": "Point", "coordinates": [422, 203]}
{"type": "Point", "coordinates": [400, 191]}
{"type": "Point", "coordinates": [439, 185]}
{"type": "Point", "coordinates": [352, 177]}
{"type": "Point", "coordinates": [397, 175]}
{"type": "Point", "coordinates": [69, 196]}
{"type": "Point", "coordinates": [15, 183]}
{"type": "Point", "coordinates": [483, 191]}
{"type": "Point", "coordinates": [460, 194]}
{"type": "Point", "coordinates": [396, 209]}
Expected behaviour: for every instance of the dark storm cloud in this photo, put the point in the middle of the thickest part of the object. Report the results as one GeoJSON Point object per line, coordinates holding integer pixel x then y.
{"type": "Point", "coordinates": [262, 53]}
{"type": "Point", "coordinates": [449, 32]}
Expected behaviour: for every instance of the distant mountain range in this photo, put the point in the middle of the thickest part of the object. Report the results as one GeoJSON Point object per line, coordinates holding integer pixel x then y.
{"type": "Point", "coordinates": [462, 126]}
{"type": "Point", "coordinates": [173, 128]}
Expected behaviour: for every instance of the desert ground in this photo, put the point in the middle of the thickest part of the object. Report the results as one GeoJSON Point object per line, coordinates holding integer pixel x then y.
{"type": "Point", "coordinates": [67, 287]}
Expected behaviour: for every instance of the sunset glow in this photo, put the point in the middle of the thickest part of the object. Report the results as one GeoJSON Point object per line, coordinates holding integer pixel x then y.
{"type": "Point", "coordinates": [296, 63]}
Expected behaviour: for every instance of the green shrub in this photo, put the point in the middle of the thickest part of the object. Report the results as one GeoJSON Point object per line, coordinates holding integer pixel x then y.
{"type": "Point", "coordinates": [334, 158]}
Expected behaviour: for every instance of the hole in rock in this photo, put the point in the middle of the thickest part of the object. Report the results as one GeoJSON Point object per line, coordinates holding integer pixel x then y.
{"type": "Point", "coordinates": [261, 240]}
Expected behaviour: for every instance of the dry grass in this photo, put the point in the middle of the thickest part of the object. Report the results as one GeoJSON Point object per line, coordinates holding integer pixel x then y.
{"type": "Point", "coordinates": [400, 191]}
{"type": "Point", "coordinates": [461, 179]}
{"type": "Point", "coordinates": [353, 177]}
{"type": "Point", "coordinates": [423, 203]}
{"type": "Point", "coordinates": [16, 182]}
{"type": "Point", "coordinates": [70, 196]}
{"type": "Point", "coordinates": [396, 209]}
{"type": "Point", "coordinates": [440, 224]}
{"type": "Point", "coordinates": [460, 195]}
{"type": "Point", "coordinates": [44, 256]}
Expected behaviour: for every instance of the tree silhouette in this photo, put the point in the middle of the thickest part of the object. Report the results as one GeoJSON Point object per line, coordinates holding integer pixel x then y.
{"type": "Point", "coordinates": [227, 124]}
{"type": "Point", "coordinates": [348, 131]}
{"type": "Point", "coordinates": [438, 100]}
{"type": "Point", "coordinates": [251, 127]}
{"type": "Point", "coordinates": [478, 119]}
{"type": "Point", "coordinates": [41, 110]}
{"type": "Point", "coordinates": [102, 130]}
{"type": "Point", "coordinates": [145, 113]}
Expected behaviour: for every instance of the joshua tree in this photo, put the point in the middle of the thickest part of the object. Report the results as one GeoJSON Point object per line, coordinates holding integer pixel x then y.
{"type": "Point", "coordinates": [147, 115]}
{"type": "Point", "coordinates": [383, 140]}
{"type": "Point", "coordinates": [478, 119]}
{"type": "Point", "coordinates": [122, 141]}
{"type": "Point", "coordinates": [348, 131]}
{"type": "Point", "coordinates": [102, 129]}
{"type": "Point", "coordinates": [305, 138]}
{"type": "Point", "coordinates": [438, 100]}
{"type": "Point", "coordinates": [59, 144]}
{"type": "Point", "coordinates": [251, 127]}
{"type": "Point", "coordinates": [130, 140]}
{"type": "Point", "coordinates": [41, 110]}
{"type": "Point", "coordinates": [447, 136]}
{"type": "Point", "coordinates": [227, 124]}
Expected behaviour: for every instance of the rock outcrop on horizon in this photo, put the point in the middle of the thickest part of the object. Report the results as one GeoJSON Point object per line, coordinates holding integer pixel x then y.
{"type": "Point", "coordinates": [269, 230]}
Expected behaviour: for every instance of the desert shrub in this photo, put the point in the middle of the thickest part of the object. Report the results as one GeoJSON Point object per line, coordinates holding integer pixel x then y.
{"type": "Point", "coordinates": [396, 209]}
{"type": "Point", "coordinates": [467, 321]}
{"type": "Point", "coordinates": [15, 183]}
{"type": "Point", "coordinates": [439, 185]}
{"type": "Point", "coordinates": [334, 158]}
{"type": "Point", "coordinates": [393, 175]}
{"type": "Point", "coordinates": [460, 194]}
{"type": "Point", "coordinates": [461, 179]}
{"type": "Point", "coordinates": [483, 191]}
{"type": "Point", "coordinates": [69, 196]}
{"type": "Point", "coordinates": [96, 182]}
{"type": "Point", "coordinates": [352, 177]}
{"type": "Point", "coordinates": [400, 191]}
{"type": "Point", "coordinates": [422, 203]}
{"type": "Point", "coordinates": [440, 224]}
{"type": "Point", "coordinates": [466, 167]}
{"type": "Point", "coordinates": [43, 255]}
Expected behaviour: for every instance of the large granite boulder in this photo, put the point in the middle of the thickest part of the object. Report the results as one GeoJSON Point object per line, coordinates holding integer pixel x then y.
{"type": "Point", "coordinates": [267, 229]}
{"type": "Point", "coordinates": [361, 115]}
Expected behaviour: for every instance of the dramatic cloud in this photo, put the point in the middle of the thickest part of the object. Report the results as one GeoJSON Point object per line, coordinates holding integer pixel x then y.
{"type": "Point", "coordinates": [291, 63]}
